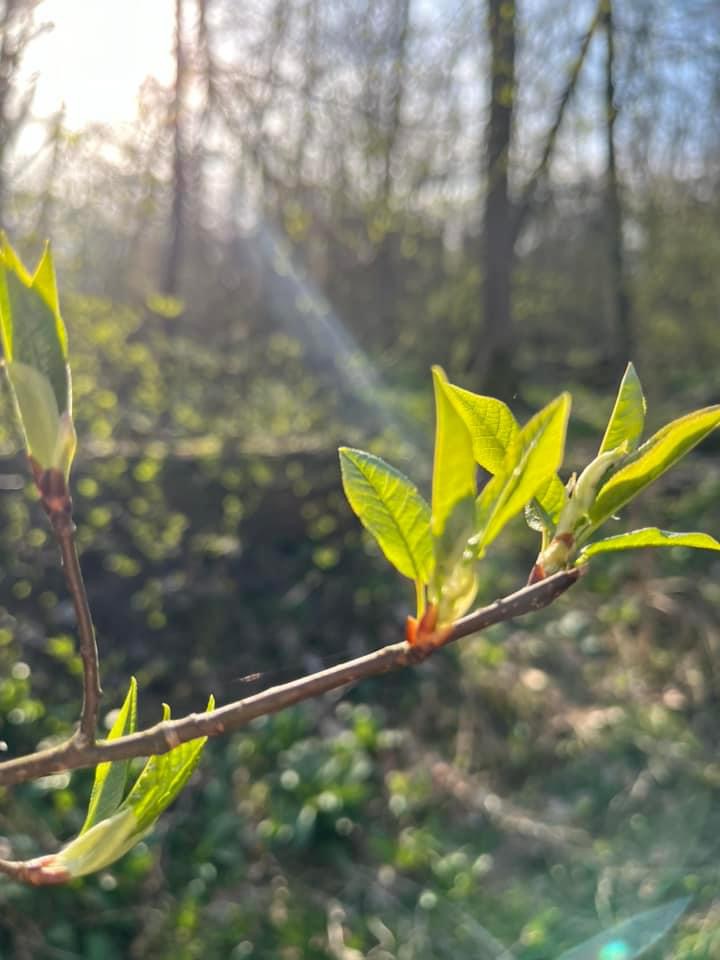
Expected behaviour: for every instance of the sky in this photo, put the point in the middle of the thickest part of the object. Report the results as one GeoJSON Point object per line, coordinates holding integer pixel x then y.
{"type": "Point", "coordinates": [97, 56]}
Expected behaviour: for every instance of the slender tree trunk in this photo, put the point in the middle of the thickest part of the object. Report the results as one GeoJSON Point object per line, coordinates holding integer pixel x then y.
{"type": "Point", "coordinates": [396, 91]}
{"type": "Point", "coordinates": [388, 274]}
{"type": "Point", "coordinates": [504, 219]}
{"type": "Point", "coordinates": [621, 344]}
{"type": "Point", "coordinates": [177, 227]}
{"type": "Point", "coordinates": [495, 350]}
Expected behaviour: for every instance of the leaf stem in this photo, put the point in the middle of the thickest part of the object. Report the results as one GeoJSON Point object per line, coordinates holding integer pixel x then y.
{"type": "Point", "coordinates": [420, 597]}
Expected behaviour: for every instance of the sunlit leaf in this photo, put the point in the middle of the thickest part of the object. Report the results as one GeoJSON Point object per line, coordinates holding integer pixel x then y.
{"type": "Point", "coordinates": [162, 778]}
{"type": "Point", "coordinates": [160, 781]}
{"type": "Point", "coordinates": [648, 537]}
{"type": "Point", "coordinates": [110, 778]}
{"type": "Point", "coordinates": [651, 460]}
{"type": "Point", "coordinates": [100, 845]}
{"type": "Point", "coordinates": [493, 428]}
{"type": "Point", "coordinates": [533, 457]}
{"type": "Point", "coordinates": [491, 424]}
{"type": "Point", "coordinates": [455, 578]}
{"type": "Point", "coordinates": [543, 511]}
{"type": "Point", "coordinates": [631, 938]}
{"type": "Point", "coordinates": [37, 411]}
{"type": "Point", "coordinates": [33, 332]}
{"type": "Point", "coordinates": [453, 464]}
{"type": "Point", "coordinates": [627, 419]}
{"type": "Point", "coordinates": [392, 509]}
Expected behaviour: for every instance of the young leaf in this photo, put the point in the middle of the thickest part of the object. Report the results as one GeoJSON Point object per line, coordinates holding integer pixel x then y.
{"type": "Point", "coordinates": [545, 508]}
{"type": "Point", "coordinates": [455, 580]}
{"type": "Point", "coordinates": [491, 424]}
{"type": "Point", "coordinates": [160, 781]}
{"type": "Point", "coordinates": [32, 329]}
{"type": "Point", "coordinates": [101, 845]}
{"type": "Point", "coordinates": [552, 497]}
{"type": "Point", "coordinates": [34, 345]}
{"type": "Point", "coordinates": [627, 419]}
{"type": "Point", "coordinates": [162, 778]}
{"type": "Point", "coordinates": [533, 457]}
{"type": "Point", "coordinates": [392, 509]}
{"type": "Point", "coordinates": [493, 428]}
{"type": "Point", "coordinates": [648, 537]}
{"type": "Point", "coordinates": [651, 460]}
{"type": "Point", "coordinates": [454, 463]}
{"type": "Point", "coordinates": [110, 778]}
{"type": "Point", "coordinates": [37, 411]}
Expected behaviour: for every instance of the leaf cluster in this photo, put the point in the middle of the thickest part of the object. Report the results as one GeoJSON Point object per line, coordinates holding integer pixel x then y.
{"type": "Point", "coordinates": [439, 545]}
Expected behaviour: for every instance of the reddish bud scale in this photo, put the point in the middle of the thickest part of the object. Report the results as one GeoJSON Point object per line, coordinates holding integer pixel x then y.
{"type": "Point", "coordinates": [52, 486]}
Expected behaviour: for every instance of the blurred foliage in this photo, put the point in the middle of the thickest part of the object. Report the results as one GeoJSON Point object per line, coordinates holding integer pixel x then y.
{"type": "Point", "coordinates": [537, 783]}
{"type": "Point", "coordinates": [508, 789]}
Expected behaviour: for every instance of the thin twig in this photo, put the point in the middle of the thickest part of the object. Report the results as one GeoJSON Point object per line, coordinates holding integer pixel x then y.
{"type": "Point", "coordinates": [64, 530]}
{"type": "Point", "coordinates": [75, 754]}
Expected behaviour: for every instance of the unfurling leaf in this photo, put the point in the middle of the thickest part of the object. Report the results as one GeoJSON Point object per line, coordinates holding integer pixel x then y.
{"type": "Point", "coordinates": [627, 419]}
{"type": "Point", "coordinates": [544, 510]}
{"type": "Point", "coordinates": [392, 509]}
{"type": "Point", "coordinates": [651, 460]}
{"type": "Point", "coordinates": [532, 459]}
{"type": "Point", "coordinates": [103, 841]}
{"type": "Point", "coordinates": [453, 464]}
{"type": "Point", "coordinates": [455, 579]}
{"type": "Point", "coordinates": [34, 345]}
{"type": "Point", "coordinates": [648, 537]}
{"type": "Point", "coordinates": [162, 778]}
{"type": "Point", "coordinates": [111, 777]}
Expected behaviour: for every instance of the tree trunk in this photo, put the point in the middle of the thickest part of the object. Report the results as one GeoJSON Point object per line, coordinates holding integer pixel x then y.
{"type": "Point", "coordinates": [176, 232]}
{"type": "Point", "coordinates": [620, 348]}
{"type": "Point", "coordinates": [494, 353]}
{"type": "Point", "coordinates": [504, 219]}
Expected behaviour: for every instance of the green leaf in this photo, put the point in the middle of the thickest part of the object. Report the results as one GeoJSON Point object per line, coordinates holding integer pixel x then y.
{"type": "Point", "coordinates": [532, 459]}
{"type": "Point", "coordinates": [651, 460]}
{"type": "Point", "coordinates": [32, 329]}
{"type": "Point", "coordinates": [454, 464]}
{"type": "Point", "coordinates": [37, 411]}
{"type": "Point", "coordinates": [491, 424]}
{"type": "Point", "coordinates": [627, 419]}
{"type": "Point", "coordinates": [162, 778]}
{"type": "Point", "coordinates": [543, 511]}
{"type": "Point", "coordinates": [392, 509]}
{"type": "Point", "coordinates": [493, 428]}
{"type": "Point", "coordinates": [455, 579]}
{"type": "Point", "coordinates": [110, 778]}
{"type": "Point", "coordinates": [648, 537]}
{"type": "Point", "coordinates": [101, 845]}
{"type": "Point", "coordinates": [160, 781]}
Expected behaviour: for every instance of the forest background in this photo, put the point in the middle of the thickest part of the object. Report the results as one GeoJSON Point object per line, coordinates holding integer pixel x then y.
{"type": "Point", "coordinates": [262, 250]}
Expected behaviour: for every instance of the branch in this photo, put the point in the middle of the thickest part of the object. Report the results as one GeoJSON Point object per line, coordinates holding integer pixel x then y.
{"type": "Point", "coordinates": [77, 753]}
{"type": "Point", "coordinates": [524, 204]}
{"type": "Point", "coordinates": [64, 529]}
{"type": "Point", "coordinates": [55, 499]}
